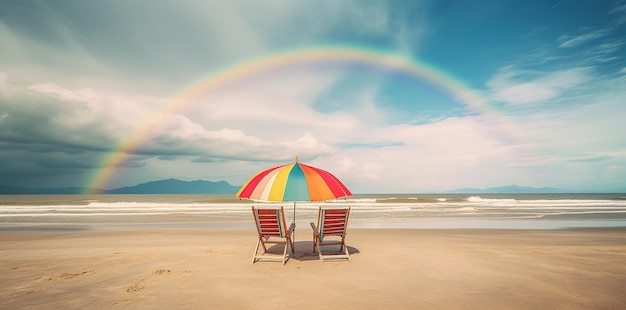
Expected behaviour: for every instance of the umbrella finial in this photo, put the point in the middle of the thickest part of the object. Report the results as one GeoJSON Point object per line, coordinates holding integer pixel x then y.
{"type": "Point", "coordinates": [296, 160]}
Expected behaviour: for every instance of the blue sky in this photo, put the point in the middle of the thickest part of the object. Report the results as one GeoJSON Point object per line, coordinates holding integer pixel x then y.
{"type": "Point", "coordinates": [77, 78]}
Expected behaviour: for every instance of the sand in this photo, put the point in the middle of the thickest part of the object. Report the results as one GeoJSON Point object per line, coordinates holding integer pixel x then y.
{"type": "Point", "coordinates": [390, 269]}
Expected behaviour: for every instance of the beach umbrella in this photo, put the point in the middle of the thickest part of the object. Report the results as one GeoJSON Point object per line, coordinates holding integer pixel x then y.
{"type": "Point", "coordinates": [293, 182]}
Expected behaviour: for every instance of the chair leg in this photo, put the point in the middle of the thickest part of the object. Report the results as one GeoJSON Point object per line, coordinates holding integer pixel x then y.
{"type": "Point", "coordinates": [290, 241]}
{"type": "Point", "coordinates": [319, 250]}
{"type": "Point", "coordinates": [285, 252]}
{"type": "Point", "coordinates": [256, 250]}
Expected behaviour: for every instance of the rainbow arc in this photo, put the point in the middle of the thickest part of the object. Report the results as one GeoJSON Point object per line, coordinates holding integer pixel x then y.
{"type": "Point", "coordinates": [332, 55]}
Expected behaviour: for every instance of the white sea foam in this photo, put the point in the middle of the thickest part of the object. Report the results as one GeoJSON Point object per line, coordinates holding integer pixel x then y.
{"type": "Point", "coordinates": [204, 207]}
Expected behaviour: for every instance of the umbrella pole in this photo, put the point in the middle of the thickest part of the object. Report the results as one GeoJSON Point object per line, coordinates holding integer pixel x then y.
{"type": "Point", "coordinates": [294, 219]}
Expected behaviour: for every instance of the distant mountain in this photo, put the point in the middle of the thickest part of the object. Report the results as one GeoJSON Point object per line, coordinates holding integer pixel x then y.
{"type": "Point", "coordinates": [511, 189]}
{"type": "Point", "coordinates": [174, 186]}
{"type": "Point", "coordinates": [169, 186]}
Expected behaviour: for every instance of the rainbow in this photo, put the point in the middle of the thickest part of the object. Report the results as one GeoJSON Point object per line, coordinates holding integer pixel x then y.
{"type": "Point", "coordinates": [285, 59]}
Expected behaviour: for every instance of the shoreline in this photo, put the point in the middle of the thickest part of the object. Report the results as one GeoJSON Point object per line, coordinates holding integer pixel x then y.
{"type": "Point", "coordinates": [224, 223]}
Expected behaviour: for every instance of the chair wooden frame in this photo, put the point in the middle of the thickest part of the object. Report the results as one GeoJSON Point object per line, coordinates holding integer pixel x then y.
{"type": "Point", "coordinates": [332, 223]}
{"type": "Point", "coordinates": [271, 227]}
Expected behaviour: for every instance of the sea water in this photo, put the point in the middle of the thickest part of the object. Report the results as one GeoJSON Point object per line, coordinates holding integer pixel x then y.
{"type": "Point", "coordinates": [389, 211]}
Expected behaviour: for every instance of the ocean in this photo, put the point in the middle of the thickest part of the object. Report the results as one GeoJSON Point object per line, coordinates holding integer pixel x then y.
{"type": "Point", "coordinates": [388, 211]}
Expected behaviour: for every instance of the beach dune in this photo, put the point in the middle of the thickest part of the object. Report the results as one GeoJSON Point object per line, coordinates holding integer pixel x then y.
{"type": "Point", "coordinates": [394, 269]}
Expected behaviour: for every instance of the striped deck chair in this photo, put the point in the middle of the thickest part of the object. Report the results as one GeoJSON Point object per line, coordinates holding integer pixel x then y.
{"type": "Point", "coordinates": [332, 224]}
{"type": "Point", "coordinates": [270, 224]}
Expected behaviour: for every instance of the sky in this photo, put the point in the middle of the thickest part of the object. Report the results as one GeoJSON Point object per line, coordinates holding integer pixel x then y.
{"type": "Point", "coordinates": [480, 93]}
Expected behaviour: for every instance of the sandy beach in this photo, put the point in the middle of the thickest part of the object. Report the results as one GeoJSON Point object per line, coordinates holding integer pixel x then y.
{"type": "Point", "coordinates": [390, 269]}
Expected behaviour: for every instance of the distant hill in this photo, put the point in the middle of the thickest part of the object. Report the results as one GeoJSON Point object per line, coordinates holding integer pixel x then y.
{"type": "Point", "coordinates": [511, 189]}
{"type": "Point", "coordinates": [174, 186]}
{"type": "Point", "coordinates": [169, 186]}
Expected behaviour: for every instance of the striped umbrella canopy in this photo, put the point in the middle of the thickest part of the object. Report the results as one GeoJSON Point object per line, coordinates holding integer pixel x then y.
{"type": "Point", "coordinates": [293, 182]}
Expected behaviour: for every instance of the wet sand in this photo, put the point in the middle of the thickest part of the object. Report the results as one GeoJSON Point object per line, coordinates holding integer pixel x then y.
{"type": "Point", "coordinates": [178, 268]}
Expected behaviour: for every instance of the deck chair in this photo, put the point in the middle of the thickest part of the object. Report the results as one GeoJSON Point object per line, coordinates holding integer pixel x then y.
{"type": "Point", "coordinates": [270, 224]}
{"type": "Point", "coordinates": [331, 227]}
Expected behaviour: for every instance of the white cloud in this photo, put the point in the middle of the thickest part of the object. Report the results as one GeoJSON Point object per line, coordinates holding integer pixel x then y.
{"type": "Point", "coordinates": [450, 154]}
{"type": "Point", "coordinates": [113, 117]}
{"type": "Point", "coordinates": [610, 47]}
{"type": "Point", "coordinates": [580, 139]}
{"type": "Point", "coordinates": [618, 9]}
{"type": "Point", "coordinates": [521, 87]}
{"type": "Point", "coordinates": [569, 41]}
{"type": "Point", "coordinates": [525, 93]}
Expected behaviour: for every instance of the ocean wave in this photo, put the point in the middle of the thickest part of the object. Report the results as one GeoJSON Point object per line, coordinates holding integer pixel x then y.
{"type": "Point", "coordinates": [491, 200]}
{"type": "Point", "coordinates": [367, 206]}
{"type": "Point", "coordinates": [408, 200]}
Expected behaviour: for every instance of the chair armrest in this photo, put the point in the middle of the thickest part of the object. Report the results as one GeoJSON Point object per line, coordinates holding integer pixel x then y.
{"type": "Point", "coordinates": [315, 231]}
{"type": "Point", "coordinates": [292, 227]}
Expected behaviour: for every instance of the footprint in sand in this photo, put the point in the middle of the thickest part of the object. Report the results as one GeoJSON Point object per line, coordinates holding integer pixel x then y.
{"type": "Point", "coordinates": [136, 288]}
{"type": "Point", "coordinates": [162, 271]}
{"type": "Point", "coordinates": [34, 291]}
{"type": "Point", "coordinates": [140, 286]}
{"type": "Point", "coordinates": [122, 302]}
{"type": "Point", "coordinates": [67, 275]}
